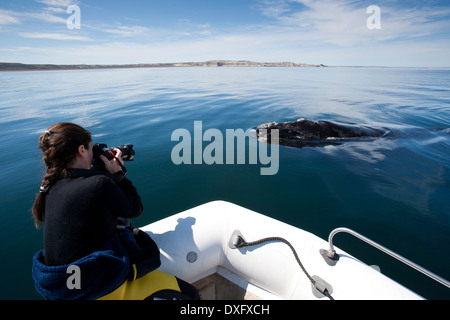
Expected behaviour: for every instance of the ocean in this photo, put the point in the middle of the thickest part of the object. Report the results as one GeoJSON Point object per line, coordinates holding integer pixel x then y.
{"type": "Point", "coordinates": [394, 190]}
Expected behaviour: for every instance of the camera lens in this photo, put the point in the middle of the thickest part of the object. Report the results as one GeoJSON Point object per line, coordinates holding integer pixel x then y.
{"type": "Point", "coordinates": [127, 152]}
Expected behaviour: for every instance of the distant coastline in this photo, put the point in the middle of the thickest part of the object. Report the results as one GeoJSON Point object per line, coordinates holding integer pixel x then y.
{"type": "Point", "coordinates": [8, 66]}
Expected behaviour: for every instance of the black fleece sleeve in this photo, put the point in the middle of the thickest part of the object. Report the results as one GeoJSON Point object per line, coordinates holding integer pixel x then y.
{"type": "Point", "coordinates": [123, 198]}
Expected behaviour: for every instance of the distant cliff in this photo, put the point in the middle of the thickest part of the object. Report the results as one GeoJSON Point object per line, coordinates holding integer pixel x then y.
{"type": "Point", "coordinates": [243, 63]}
{"type": "Point", "coordinates": [4, 66]}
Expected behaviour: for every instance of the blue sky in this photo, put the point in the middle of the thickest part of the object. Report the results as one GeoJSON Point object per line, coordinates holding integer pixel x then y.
{"type": "Point", "coordinates": [332, 32]}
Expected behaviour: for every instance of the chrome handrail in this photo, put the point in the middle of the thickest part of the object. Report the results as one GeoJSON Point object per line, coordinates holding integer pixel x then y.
{"type": "Point", "coordinates": [334, 256]}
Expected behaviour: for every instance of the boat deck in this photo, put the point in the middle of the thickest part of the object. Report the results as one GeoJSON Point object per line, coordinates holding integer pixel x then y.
{"type": "Point", "coordinates": [216, 287]}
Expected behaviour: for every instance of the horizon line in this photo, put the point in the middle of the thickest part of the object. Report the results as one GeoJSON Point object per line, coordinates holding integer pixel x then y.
{"type": "Point", "coordinates": [19, 66]}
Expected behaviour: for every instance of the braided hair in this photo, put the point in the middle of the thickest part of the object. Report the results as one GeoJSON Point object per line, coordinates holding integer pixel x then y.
{"type": "Point", "coordinates": [59, 145]}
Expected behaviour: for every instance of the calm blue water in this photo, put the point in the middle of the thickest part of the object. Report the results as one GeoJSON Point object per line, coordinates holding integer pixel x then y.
{"type": "Point", "coordinates": [394, 190]}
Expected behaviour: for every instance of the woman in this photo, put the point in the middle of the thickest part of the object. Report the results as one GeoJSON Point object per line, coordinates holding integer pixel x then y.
{"type": "Point", "coordinates": [80, 209]}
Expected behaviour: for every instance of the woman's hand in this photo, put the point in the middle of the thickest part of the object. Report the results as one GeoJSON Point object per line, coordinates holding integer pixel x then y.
{"type": "Point", "coordinates": [114, 165]}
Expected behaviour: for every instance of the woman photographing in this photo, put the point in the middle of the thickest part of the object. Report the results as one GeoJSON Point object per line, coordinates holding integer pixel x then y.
{"type": "Point", "coordinates": [80, 209]}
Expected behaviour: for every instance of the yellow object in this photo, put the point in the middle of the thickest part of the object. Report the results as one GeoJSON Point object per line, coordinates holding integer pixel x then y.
{"type": "Point", "coordinates": [144, 287]}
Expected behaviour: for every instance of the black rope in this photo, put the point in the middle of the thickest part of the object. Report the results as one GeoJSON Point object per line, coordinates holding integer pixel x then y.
{"type": "Point", "coordinates": [242, 243]}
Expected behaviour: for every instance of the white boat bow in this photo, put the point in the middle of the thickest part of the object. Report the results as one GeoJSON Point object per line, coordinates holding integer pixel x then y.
{"type": "Point", "coordinates": [195, 246]}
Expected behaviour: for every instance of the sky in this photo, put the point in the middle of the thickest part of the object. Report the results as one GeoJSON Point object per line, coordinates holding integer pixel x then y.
{"type": "Point", "coordinates": [392, 33]}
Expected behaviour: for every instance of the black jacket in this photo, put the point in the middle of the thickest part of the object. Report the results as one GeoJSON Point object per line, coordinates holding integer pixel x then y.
{"type": "Point", "coordinates": [81, 212]}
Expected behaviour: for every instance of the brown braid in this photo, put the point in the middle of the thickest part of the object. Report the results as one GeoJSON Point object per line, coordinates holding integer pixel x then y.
{"type": "Point", "coordinates": [59, 145]}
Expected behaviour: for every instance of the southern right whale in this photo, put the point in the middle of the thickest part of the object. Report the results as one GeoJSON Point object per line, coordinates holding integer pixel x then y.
{"type": "Point", "coordinates": [303, 132]}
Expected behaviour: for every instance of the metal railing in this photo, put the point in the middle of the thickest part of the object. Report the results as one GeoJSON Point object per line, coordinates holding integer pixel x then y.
{"type": "Point", "coordinates": [334, 256]}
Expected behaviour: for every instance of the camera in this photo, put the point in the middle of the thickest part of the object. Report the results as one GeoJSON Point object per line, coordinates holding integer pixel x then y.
{"type": "Point", "coordinates": [102, 149]}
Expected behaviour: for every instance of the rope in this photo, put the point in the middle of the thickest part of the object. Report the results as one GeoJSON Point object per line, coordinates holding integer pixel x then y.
{"type": "Point", "coordinates": [242, 243]}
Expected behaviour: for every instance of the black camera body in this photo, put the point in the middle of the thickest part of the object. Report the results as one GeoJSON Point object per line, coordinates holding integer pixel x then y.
{"type": "Point", "coordinates": [102, 149]}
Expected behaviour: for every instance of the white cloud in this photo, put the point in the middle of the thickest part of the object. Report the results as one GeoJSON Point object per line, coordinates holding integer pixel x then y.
{"type": "Point", "coordinates": [57, 3]}
{"type": "Point", "coordinates": [343, 22]}
{"type": "Point", "coordinates": [52, 36]}
{"type": "Point", "coordinates": [126, 31]}
{"type": "Point", "coordinates": [55, 10]}
{"type": "Point", "coordinates": [8, 17]}
{"type": "Point", "coordinates": [16, 17]}
{"type": "Point", "coordinates": [45, 16]}
{"type": "Point", "coordinates": [273, 8]}
{"type": "Point", "coordinates": [183, 29]}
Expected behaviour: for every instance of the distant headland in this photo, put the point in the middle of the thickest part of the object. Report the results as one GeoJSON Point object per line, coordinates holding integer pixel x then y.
{"type": "Point", "coordinates": [7, 66]}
